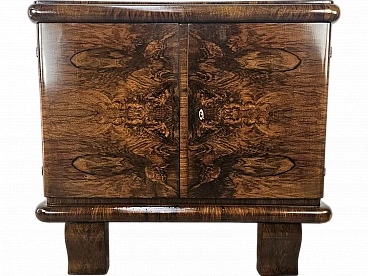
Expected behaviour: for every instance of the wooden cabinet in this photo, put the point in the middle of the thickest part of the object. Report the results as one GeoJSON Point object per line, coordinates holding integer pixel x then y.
{"type": "Point", "coordinates": [184, 112]}
{"type": "Point", "coordinates": [251, 119]}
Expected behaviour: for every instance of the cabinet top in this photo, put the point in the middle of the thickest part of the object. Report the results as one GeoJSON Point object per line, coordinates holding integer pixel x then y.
{"type": "Point", "coordinates": [264, 11]}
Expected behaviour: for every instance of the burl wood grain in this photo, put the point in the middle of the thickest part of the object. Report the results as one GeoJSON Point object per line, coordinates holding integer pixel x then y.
{"type": "Point", "coordinates": [198, 110]}
{"type": "Point", "coordinates": [257, 110]}
{"type": "Point", "coordinates": [110, 110]}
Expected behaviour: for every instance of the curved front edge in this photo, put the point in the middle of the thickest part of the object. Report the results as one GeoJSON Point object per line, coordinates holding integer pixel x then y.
{"type": "Point", "coordinates": [183, 13]}
{"type": "Point", "coordinates": [185, 213]}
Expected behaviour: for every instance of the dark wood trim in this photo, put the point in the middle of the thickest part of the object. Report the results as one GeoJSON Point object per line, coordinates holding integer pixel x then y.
{"type": "Point", "coordinates": [48, 12]}
{"type": "Point", "coordinates": [53, 201]}
{"type": "Point", "coordinates": [185, 213]}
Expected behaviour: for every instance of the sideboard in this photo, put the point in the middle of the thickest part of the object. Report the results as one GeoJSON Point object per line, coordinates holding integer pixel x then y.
{"type": "Point", "coordinates": [184, 112]}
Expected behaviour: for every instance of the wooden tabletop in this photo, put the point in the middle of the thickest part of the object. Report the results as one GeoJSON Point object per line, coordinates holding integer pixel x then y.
{"type": "Point", "coordinates": [185, 12]}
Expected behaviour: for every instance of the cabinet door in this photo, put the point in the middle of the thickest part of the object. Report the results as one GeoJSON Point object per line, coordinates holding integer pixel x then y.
{"type": "Point", "coordinates": [110, 110]}
{"type": "Point", "coordinates": [257, 110]}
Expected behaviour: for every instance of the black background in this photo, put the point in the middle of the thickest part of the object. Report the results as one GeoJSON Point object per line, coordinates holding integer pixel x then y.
{"type": "Point", "coordinates": [180, 248]}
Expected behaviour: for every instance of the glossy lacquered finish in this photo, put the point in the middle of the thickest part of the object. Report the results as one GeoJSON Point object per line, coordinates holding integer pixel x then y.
{"type": "Point", "coordinates": [201, 213]}
{"type": "Point", "coordinates": [72, 12]}
{"type": "Point", "coordinates": [250, 120]}
{"type": "Point", "coordinates": [184, 112]}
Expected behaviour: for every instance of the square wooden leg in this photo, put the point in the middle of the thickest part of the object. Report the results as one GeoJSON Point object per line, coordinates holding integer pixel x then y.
{"type": "Point", "coordinates": [87, 245]}
{"type": "Point", "coordinates": [278, 248]}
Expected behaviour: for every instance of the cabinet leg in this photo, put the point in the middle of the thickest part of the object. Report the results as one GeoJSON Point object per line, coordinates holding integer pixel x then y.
{"type": "Point", "coordinates": [278, 248]}
{"type": "Point", "coordinates": [87, 245]}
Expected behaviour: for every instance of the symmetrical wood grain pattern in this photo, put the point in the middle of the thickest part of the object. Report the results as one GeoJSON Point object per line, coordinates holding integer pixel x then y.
{"type": "Point", "coordinates": [278, 248]}
{"type": "Point", "coordinates": [184, 213]}
{"type": "Point", "coordinates": [184, 121]}
{"type": "Point", "coordinates": [110, 107]}
{"type": "Point", "coordinates": [257, 110]}
{"type": "Point", "coordinates": [257, 11]}
{"type": "Point", "coordinates": [87, 245]}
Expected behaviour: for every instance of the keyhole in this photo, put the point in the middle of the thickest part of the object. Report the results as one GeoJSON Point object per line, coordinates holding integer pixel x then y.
{"type": "Point", "coordinates": [201, 114]}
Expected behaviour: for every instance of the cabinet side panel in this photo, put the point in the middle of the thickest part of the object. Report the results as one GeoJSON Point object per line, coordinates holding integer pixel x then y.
{"type": "Point", "coordinates": [110, 110]}
{"type": "Point", "coordinates": [257, 110]}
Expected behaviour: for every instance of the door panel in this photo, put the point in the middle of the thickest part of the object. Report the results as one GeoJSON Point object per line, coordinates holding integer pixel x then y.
{"type": "Point", "coordinates": [257, 110]}
{"type": "Point", "coordinates": [110, 110]}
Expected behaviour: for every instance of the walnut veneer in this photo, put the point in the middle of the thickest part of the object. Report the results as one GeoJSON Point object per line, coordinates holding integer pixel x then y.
{"type": "Point", "coordinates": [192, 112]}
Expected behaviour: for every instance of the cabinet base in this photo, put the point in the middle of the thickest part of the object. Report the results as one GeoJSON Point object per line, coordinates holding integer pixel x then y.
{"type": "Point", "coordinates": [278, 248]}
{"type": "Point", "coordinates": [279, 229]}
{"type": "Point", "coordinates": [185, 213]}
